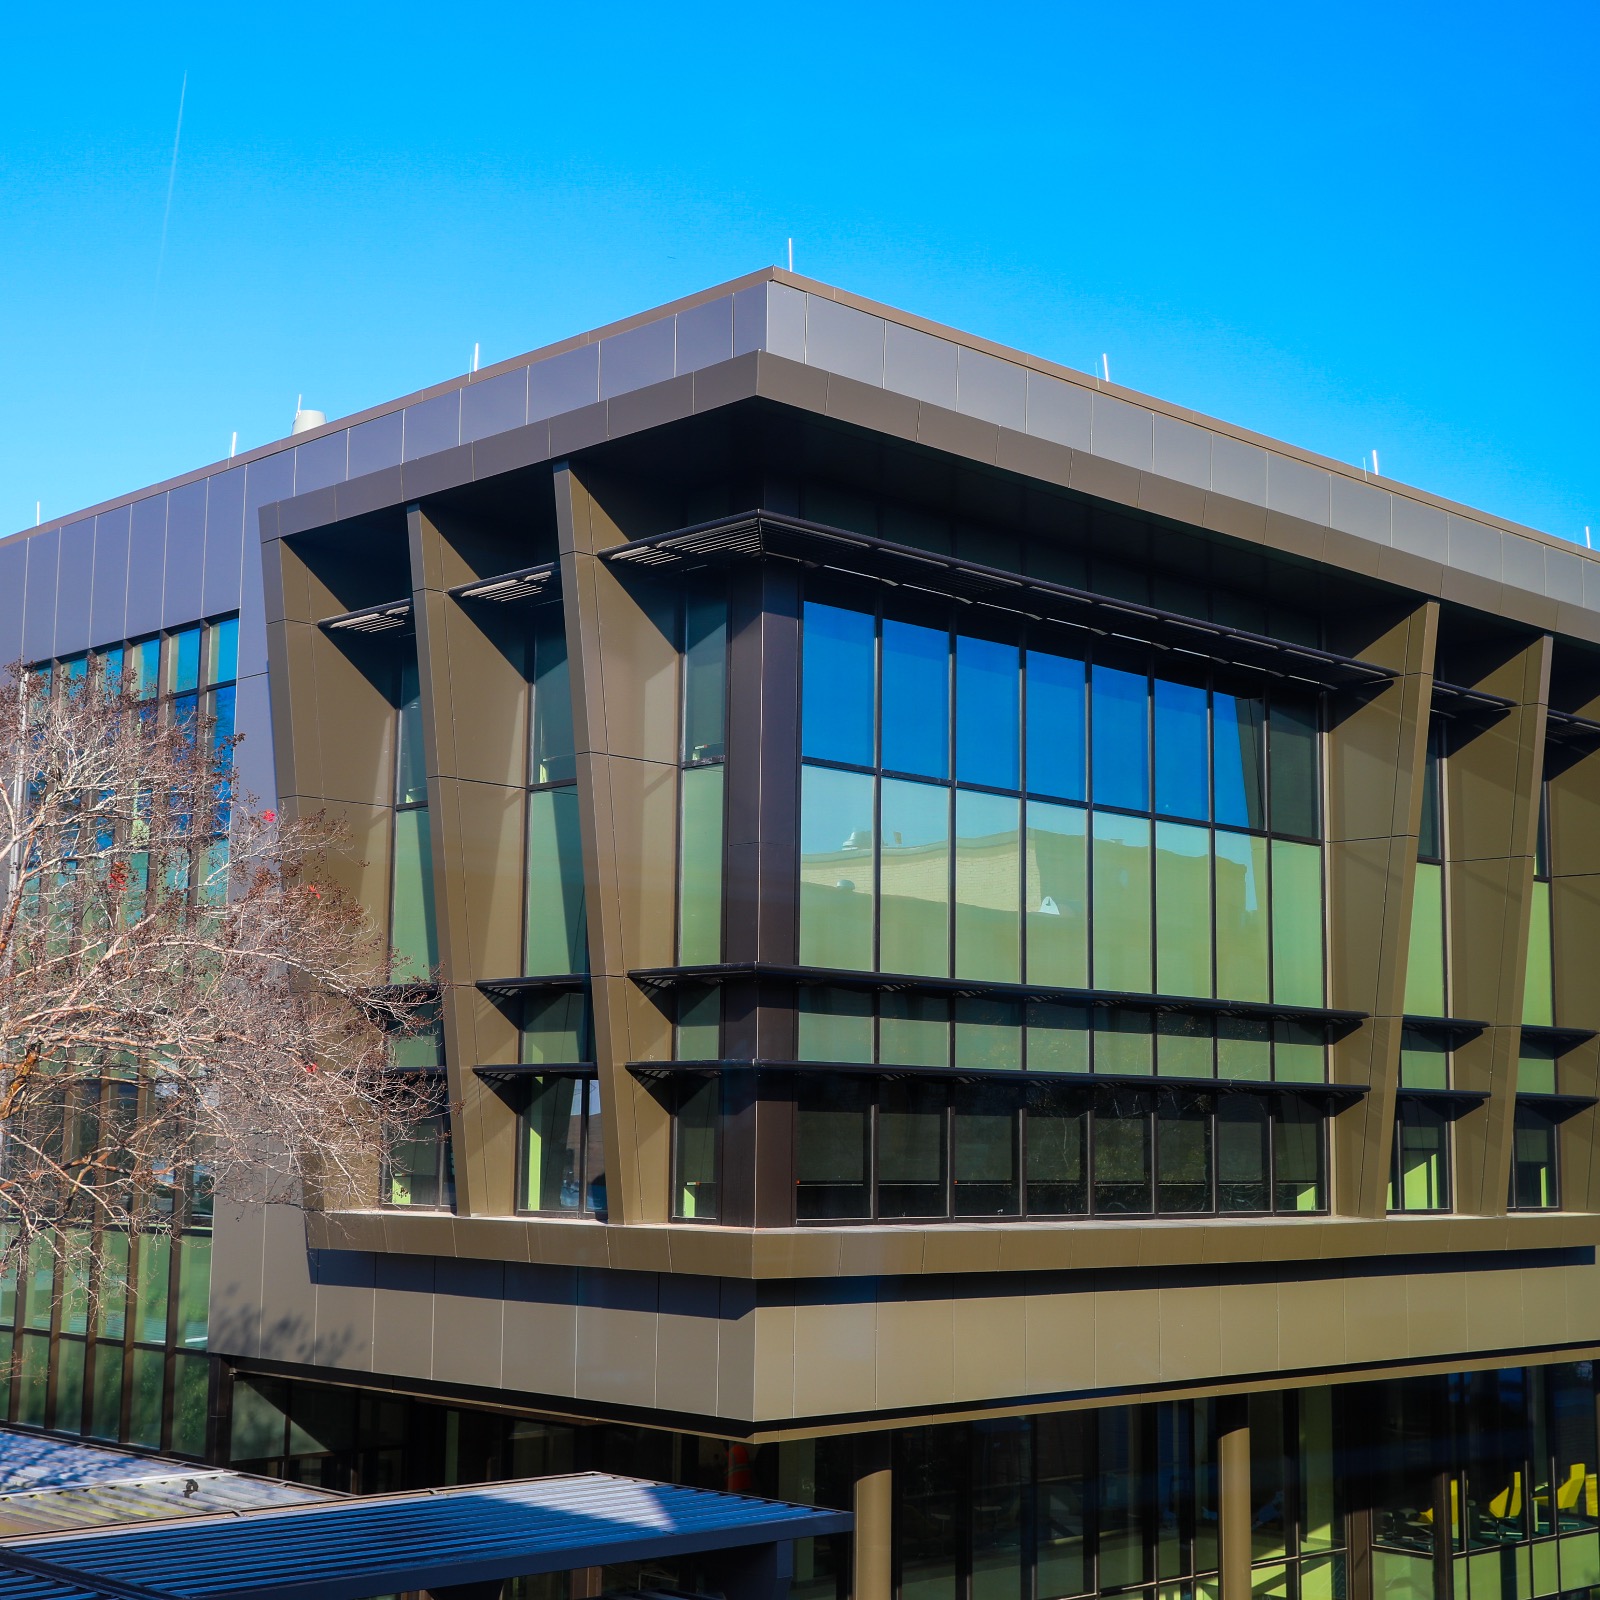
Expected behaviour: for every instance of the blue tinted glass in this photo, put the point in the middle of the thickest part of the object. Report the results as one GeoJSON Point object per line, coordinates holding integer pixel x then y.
{"type": "Point", "coordinates": [112, 658]}
{"type": "Point", "coordinates": [916, 699]}
{"type": "Point", "coordinates": [1236, 737]}
{"type": "Point", "coordinates": [1055, 725]}
{"type": "Point", "coordinates": [186, 660]}
{"type": "Point", "coordinates": [987, 693]}
{"type": "Point", "coordinates": [225, 651]}
{"type": "Point", "coordinates": [1180, 749]}
{"type": "Point", "coordinates": [837, 689]}
{"type": "Point", "coordinates": [1121, 743]}
{"type": "Point", "coordinates": [74, 671]}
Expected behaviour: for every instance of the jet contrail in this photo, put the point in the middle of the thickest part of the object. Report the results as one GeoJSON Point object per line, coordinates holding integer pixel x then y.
{"type": "Point", "coordinates": [172, 178]}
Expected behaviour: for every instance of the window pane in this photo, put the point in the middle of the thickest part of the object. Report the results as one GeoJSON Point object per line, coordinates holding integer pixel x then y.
{"type": "Point", "coordinates": [835, 1025]}
{"type": "Point", "coordinates": [1120, 709]}
{"type": "Point", "coordinates": [1533, 1175]}
{"type": "Point", "coordinates": [987, 696]}
{"type": "Point", "coordinates": [1244, 1049]}
{"type": "Point", "coordinates": [223, 663]}
{"type": "Point", "coordinates": [1180, 750]}
{"type": "Point", "coordinates": [105, 1410]}
{"type": "Point", "coordinates": [1121, 902]}
{"type": "Point", "coordinates": [1121, 1155]}
{"type": "Point", "coordinates": [143, 668]}
{"type": "Point", "coordinates": [1056, 899]}
{"type": "Point", "coordinates": [699, 1024]}
{"type": "Point", "coordinates": [1538, 993]}
{"type": "Point", "coordinates": [914, 1030]}
{"type": "Point", "coordinates": [1424, 1060]}
{"type": "Point", "coordinates": [988, 1035]}
{"type": "Point", "coordinates": [696, 1156]}
{"type": "Point", "coordinates": [35, 1377]}
{"type": "Point", "coordinates": [417, 1173]}
{"type": "Point", "coordinates": [553, 1135]}
{"type": "Point", "coordinates": [594, 1151]}
{"type": "Point", "coordinates": [836, 833]}
{"type": "Point", "coordinates": [69, 1386]}
{"type": "Point", "coordinates": [914, 926]}
{"type": "Point", "coordinates": [837, 685]}
{"type": "Point", "coordinates": [557, 931]}
{"type": "Point", "coordinates": [832, 1131]}
{"type": "Point", "coordinates": [413, 932]}
{"type": "Point", "coordinates": [1124, 1494]}
{"type": "Point", "coordinates": [111, 1293]}
{"type": "Point", "coordinates": [1299, 1053]}
{"type": "Point", "coordinates": [705, 676]}
{"type": "Point", "coordinates": [1242, 924]}
{"type": "Point", "coordinates": [1430, 842]}
{"type": "Point", "coordinates": [185, 657]}
{"type": "Point", "coordinates": [144, 1409]}
{"type": "Point", "coordinates": [1292, 750]}
{"type": "Point", "coordinates": [1421, 1159]}
{"type": "Point", "coordinates": [930, 1511]}
{"type": "Point", "coordinates": [1242, 1130]}
{"type": "Point", "coordinates": [1122, 1043]}
{"type": "Point", "coordinates": [1425, 957]}
{"type": "Point", "coordinates": [1057, 1133]}
{"type": "Point", "coordinates": [191, 1387]}
{"type": "Point", "coordinates": [1055, 725]}
{"type": "Point", "coordinates": [911, 1150]}
{"type": "Point", "coordinates": [1297, 1155]}
{"type": "Point", "coordinates": [1183, 1154]}
{"type": "Point", "coordinates": [154, 1266]}
{"type": "Point", "coordinates": [194, 1290]}
{"type": "Point", "coordinates": [916, 699]}
{"type": "Point", "coordinates": [1297, 958]}
{"type": "Point", "coordinates": [1237, 771]}
{"type": "Point", "coordinates": [551, 746]}
{"type": "Point", "coordinates": [556, 1030]}
{"type": "Point", "coordinates": [986, 1164]}
{"type": "Point", "coordinates": [1001, 1475]}
{"type": "Point", "coordinates": [1184, 1045]}
{"type": "Point", "coordinates": [1183, 909]}
{"type": "Point", "coordinates": [1321, 1526]}
{"type": "Point", "coordinates": [1058, 1038]}
{"type": "Point", "coordinates": [41, 1283]}
{"type": "Point", "coordinates": [1064, 1481]}
{"type": "Point", "coordinates": [700, 867]}
{"type": "Point", "coordinates": [1536, 1068]}
{"type": "Point", "coordinates": [411, 768]}
{"type": "Point", "coordinates": [988, 887]}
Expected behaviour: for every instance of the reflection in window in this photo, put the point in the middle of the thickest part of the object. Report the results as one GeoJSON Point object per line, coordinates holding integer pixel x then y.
{"type": "Point", "coordinates": [1534, 1172]}
{"type": "Point", "coordinates": [419, 1170]}
{"type": "Point", "coordinates": [1419, 1178]}
{"type": "Point", "coordinates": [694, 1151]}
{"type": "Point", "coordinates": [563, 1150]}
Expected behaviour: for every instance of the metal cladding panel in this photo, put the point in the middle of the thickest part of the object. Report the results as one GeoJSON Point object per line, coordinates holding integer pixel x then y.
{"type": "Point", "coordinates": [427, 1540]}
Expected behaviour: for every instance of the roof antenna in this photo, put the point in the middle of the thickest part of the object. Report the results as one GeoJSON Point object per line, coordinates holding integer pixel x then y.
{"type": "Point", "coordinates": [38, 512]}
{"type": "Point", "coordinates": [474, 355]}
{"type": "Point", "coordinates": [1105, 362]}
{"type": "Point", "coordinates": [1375, 472]}
{"type": "Point", "coordinates": [233, 446]}
{"type": "Point", "coordinates": [791, 255]}
{"type": "Point", "coordinates": [1586, 539]}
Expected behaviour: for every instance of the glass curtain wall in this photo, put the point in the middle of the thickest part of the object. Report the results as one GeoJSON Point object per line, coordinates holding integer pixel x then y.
{"type": "Point", "coordinates": [1000, 809]}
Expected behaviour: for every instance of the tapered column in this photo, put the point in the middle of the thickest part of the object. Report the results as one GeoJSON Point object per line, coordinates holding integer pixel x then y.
{"type": "Point", "coordinates": [623, 656]}
{"type": "Point", "coordinates": [1376, 750]}
{"type": "Point", "coordinates": [1494, 772]}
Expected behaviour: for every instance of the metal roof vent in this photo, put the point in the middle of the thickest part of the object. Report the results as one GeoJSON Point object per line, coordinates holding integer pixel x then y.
{"type": "Point", "coordinates": [305, 421]}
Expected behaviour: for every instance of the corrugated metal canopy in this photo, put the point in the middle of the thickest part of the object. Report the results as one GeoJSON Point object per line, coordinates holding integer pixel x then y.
{"type": "Point", "coordinates": [352, 1549]}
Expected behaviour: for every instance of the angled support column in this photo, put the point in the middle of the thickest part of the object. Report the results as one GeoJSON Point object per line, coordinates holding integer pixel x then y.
{"type": "Point", "coordinates": [474, 717]}
{"type": "Point", "coordinates": [1492, 816]}
{"type": "Point", "coordinates": [1376, 750]}
{"type": "Point", "coordinates": [623, 658]}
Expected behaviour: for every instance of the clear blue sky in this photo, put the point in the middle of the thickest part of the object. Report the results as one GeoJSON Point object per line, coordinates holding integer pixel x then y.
{"type": "Point", "coordinates": [1357, 226]}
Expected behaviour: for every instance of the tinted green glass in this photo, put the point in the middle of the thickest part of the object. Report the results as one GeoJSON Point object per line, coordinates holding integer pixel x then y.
{"type": "Point", "coordinates": [988, 1035]}
{"type": "Point", "coordinates": [1122, 954]}
{"type": "Point", "coordinates": [988, 887]}
{"type": "Point", "coordinates": [834, 1025]}
{"type": "Point", "coordinates": [1122, 1043]}
{"type": "Point", "coordinates": [705, 676]}
{"type": "Point", "coordinates": [1299, 1053]}
{"type": "Point", "coordinates": [1057, 1160]}
{"type": "Point", "coordinates": [1538, 993]}
{"type": "Point", "coordinates": [1180, 714]}
{"type": "Point", "coordinates": [1183, 909]}
{"type": "Point", "coordinates": [153, 1262]}
{"type": "Point", "coordinates": [1244, 1049]}
{"type": "Point", "coordinates": [832, 1148]}
{"type": "Point", "coordinates": [556, 1030]}
{"type": "Point", "coordinates": [987, 701]}
{"type": "Point", "coordinates": [1425, 956]}
{"type": "Point", "coordinates": [914, 920]}
{"type": "Point", "coordinates": [836, 868]}
{"type": "Point", "coordinates": [191, 1386]}
{"type": "Point", "coordinates": [914, 1030]}
{"type": "Point", "coordinates": [1055, 895]}
{"type": "Point", "coordinates": [1536, 1068]}
{"type": "Point", "coordinates": [1533, 1168]}
{"type": "Point", "coordinates": [105, 1409]}
{"type": "Point", "coordinates": [1421, 1160]}
{"type": "Point", "coordinates": [1055, 725]}
{"type": "Point", "coordinates": [69, 1386]}
{"type": "Point", "coordinates": [1430, 841]}
{"type": "Point", "coordinates": [1183, 1154]}
{"type": "Point", "coordinates": [1242, 921]}
{"type": "Point", "coordinates": [552, 1128]}
{"type": "Point", "coordinates": [699, 1024]}
{"type": "Point", "coordinates": [1297, 950]}
{"type": "Point", "coordinates": [695, 1156]}
{"type": "Point", "coordinates": [1424, 1060]}
{"type": "Point", "coordinates": [916, 699]}
{"type": "Point", "coordinates": [1293, 768]}
{"type": "Point", "coordinates": [111, 1291]}
{"type": "Point", "coordinates": [194, 1289]}
{"type": "Point", "coordinates": [911, 1149]}
{"type": "Point", "coordinates": [149, 1373]}
{"type": "Point", "coordinates": [34, 1364]}
{"type": "Point", "coordinates": [1058, 1038]}
{"type": "Point", "coordinates": [1237, 765]}
{"type": "Point", "coordinates": [1120, 1152]}
{"type": "Point", "coordinates": [8, 1287]}
{"type": "Point", "coordinates": [1242, 1133]}
{"type": "Point", "coordinates": [41, 1283]}
{"type": "Point", "coordinates": [551, 746]}
{"type": "Point", "coordinates": [411, 770]}
{"type": "Point", "coordinates": [986, 1164]}
{"type": "Point", "coordinates": [1184, 1045]}
{"type": "Point", "coordinates": [1120, 735]}
{"type": "Point", "coordinates": [413, 931]}
{"type": "Point", "coordinates": [557, 929]}
{"type": "Point", "coordinates": [838, 685]}
{"type": "Point", "coordinates": [700, 867]}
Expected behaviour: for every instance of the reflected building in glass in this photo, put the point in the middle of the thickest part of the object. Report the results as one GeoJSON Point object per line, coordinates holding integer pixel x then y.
{"type": "Point", "coordinates": [1004, 956]}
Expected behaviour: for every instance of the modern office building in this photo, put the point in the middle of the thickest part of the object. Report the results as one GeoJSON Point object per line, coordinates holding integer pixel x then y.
{"type": "Point", "coordinates": [1009, 957]}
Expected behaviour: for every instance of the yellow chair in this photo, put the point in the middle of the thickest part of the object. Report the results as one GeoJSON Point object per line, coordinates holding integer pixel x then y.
{"type": "Point", "coordinates": [1567, 1494]}
{"type": "Point", "coordinates": [1507, 1505]}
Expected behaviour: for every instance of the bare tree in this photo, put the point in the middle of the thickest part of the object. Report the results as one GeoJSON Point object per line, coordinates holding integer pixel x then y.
{"type": "Point", "coordinates": [185, 1003]}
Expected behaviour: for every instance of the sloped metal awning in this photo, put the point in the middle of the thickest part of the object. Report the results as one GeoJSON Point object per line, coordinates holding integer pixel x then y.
{"type": "Point", "coordinates": [351, 1549]}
